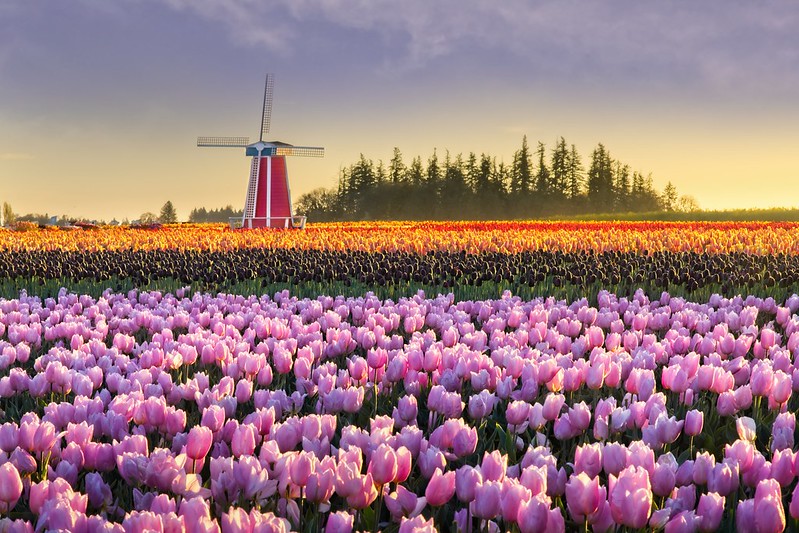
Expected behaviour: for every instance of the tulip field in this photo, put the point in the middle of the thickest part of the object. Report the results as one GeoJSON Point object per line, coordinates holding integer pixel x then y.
{"type": "Point", "coordinates": [514, 376]}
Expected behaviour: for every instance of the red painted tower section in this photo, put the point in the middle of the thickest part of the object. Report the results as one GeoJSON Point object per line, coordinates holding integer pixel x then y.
{"type": "Point", "coordinates": [273, 191]}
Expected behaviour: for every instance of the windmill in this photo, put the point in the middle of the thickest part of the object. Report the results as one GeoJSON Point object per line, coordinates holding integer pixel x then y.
{"type": "Point", "coordinates": [268, 202]}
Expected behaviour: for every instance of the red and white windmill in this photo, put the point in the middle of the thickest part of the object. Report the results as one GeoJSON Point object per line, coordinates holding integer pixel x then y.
{"type": "Point", "coordinates": [268, 202]}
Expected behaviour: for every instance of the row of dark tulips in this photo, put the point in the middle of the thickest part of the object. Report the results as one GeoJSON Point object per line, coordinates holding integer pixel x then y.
{"type": "Point", "coordinates": [470, 276]}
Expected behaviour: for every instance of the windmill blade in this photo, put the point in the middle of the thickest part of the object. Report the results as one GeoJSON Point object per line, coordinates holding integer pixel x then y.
{"type": "Point", "coordinates": [266, 114]}
{"type": "Point", "coordinates": [301, 151]}
{"type": "Point", "coordinates": [223, 142]}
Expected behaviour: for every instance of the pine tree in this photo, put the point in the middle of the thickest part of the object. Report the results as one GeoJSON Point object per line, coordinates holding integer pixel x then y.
{"type": "Point", "coordinates": [542, 179]}
{"type": "Point", "coordinates": [168, 214]}
{"type": "Point", "coordinates": [471, 172]}
{"type": "Point", "coordinates": [575, 174]}
{"type": "Point", "coordinates": [621, 186]}
{"type": "Point", "coordinates": [396, 168]}
{"type": "Point", "coordinates": [669, 197]}
{"type": "Point", "coordinates": [600, 180]}
{"type": "Point", "coordinates": [560, 171]}
{"type": "Point", "coordinates": [415, 172]}
{"type": "Point", "coordinates": [521, 173]}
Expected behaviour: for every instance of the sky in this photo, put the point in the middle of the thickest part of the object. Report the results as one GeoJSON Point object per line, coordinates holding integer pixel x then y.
{"type": "Point", "coordinates": [101, 101]}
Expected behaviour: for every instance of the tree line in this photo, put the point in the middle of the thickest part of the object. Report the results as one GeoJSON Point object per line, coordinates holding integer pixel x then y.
{"type": "Point", "coordinates": [537, 183]}
{"type": "Point", "coordinates": [223, 214]}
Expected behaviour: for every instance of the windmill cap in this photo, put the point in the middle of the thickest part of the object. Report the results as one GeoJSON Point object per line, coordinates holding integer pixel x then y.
{"type": "Point", "coordinates": [265, 148]}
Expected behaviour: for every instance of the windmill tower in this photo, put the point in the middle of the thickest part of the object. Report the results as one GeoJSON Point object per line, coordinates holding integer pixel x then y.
{"type": "Point", "coordinates": [268, 202]}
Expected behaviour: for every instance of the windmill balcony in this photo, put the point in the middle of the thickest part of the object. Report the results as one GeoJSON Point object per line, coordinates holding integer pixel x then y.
{"type": "Point", "coordinates": [295, 222]}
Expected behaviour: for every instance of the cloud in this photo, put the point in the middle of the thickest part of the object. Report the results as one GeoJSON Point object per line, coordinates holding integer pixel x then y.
{"type": "Point", "coordinates": [720, 43]}
{"type": "Point", "coordinates": [249, 22]}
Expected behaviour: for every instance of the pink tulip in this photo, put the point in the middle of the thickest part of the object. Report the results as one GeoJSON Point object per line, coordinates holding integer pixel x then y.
{"type": "Point", "coordinates": [535, 479]}
{"type": "Point", "coordinates": [9, 437]}
{"type": "Point", "coordinates": [407, 409]}
{"type": "Point", "coordinates": [481, 405]}
{"type": "Point", "coordinates": [340, 522]}
{"type": "Point", "coordinates": [782, 387]}
{"type": "Point", "coordinates": [494, 466]}
{"type": "Point", "coordinates": [724, 477]}
{"type": "Point", "coordinates": [745, 515]}
{"type": "Point", "coordinates": [301, 468]}
{"type": "Point", "coordinates": [243, 441]}
{"type": "Point", "coordinates": [404, 503]}
{"type": "Point", "coordinates": [588, 459]}
{"type": "Point", "coordinates": [747, 430]}
{"type": "Point", "coordinates": [782, 467]}
{"type": "Point", "coordinates": [466, 480]}
{"type": "Point", "coordinates": [769, 515]}
{"type": "Point", "coordinates": [663, 479]}
{"type": "Point", "coordinates": [417, 524]}
{"type": "Point", "coordinates": [583, 496]}
{"type": "Point", "coordinates": [321, 483]}
{"type": "Point", "coordinates": [429, 459]}
{"type": "Point", "coordinates": [693, 422]}
{"type": "Point", "coordinates": [10, 487]}
{"type": "Point", "coordinates": [552, 406]}
{"type": "Point", "coordinates": [364, 493]}
{"type": "Point", "coordinates": [517, 413]}
{"type": "Point", "coordinates": [630, 497]}
{"type": "Point", "coordinates": [487, 500]}
{"type": "Point", "coordinates": [199, 442]}
{"type": "Point", "coordinates": [236, 520]}
{"type": "Point", "coordinates": [383, 464]}
{"type": "Point", "coordinates": [440, 488]}
{"type": "Point", "coordinates": [684, 521]}
{"type": "Point", "coordinates": [762, 379]}
{"type": "Point", "coordinates": [533, 515]}
{"type": "Point", "coordinates": [404, 464]}
{"type": "Point", "coordinates": [743, 452]}
{"type": "Point", "coordinates": [98, 491]}
{"type": "Point", "coordinates": [794, 505]}
{"type": "Point", "coordinates": [213, 418]}
{"type": "Point", "coordinates": [703, 465]}
{"type": "Point", "coordinates": [710, 511]}
{"type": "Point", "coordinates": [614, 457]}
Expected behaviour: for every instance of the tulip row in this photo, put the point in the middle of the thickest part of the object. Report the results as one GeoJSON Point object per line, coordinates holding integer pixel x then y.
{"type": "Point", "coordinates": [192, 412]}
{"type": "Point", "coordinates": [469, 276]}
{"type": "Point", "coordinates": [762, 238]}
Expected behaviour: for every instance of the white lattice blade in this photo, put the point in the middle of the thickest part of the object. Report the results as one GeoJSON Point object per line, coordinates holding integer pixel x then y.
{"type": "Point", "coordinates": [300, 151]}
{"type": "Point", "coordinates": [223, 142]}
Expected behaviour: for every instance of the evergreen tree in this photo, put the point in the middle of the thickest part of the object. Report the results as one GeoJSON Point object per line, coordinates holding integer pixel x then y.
{"type": "Point", "coordinates": [433, 172]}
{"type": "Point", "coordinates": [574, 174]}
{"type": "Point", "coordinates": [542, 179]}
{"type": "Point", "coordinates": [560, 169]}
{"type": "Point", "coordinates": [363, 182]}
{"type": "Point", "coordinates": [471, 172]}
{"type": "Point", "coordinates": [621, 186]}
{"type": "Point", "coordinates": [484, 175]}
{"type": "Point", "coordinates": [396, 168]}
{"type": "Point", "coordinates": [669, 197]}
{"type": "Point", "coordinates": [521, 173]}
{"type": "Point", "coordinates": [380, 175]}
{"type": "Point", "coordinates": [453, 193]}
{"type": "Point", "coordinates": [416, 172]}
{"type": "Point", "coordinates": [168, 214]}
{"type": "Point", "coordinates": [600, 180]}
